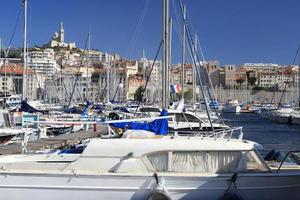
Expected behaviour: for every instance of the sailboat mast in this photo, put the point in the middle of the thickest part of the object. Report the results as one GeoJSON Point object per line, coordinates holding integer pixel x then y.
{"type": "Point", "coordinates": [24, 88]}
{"type": "Point", "coordinates": [107, 80]}
{"type": "Point", "coordinates": [194, 71]}
{"type": "Point", "coordinates": [299, 83]}
{"type": "Point", "coordinates": [183, 52]}
{"type": "Point", "coordinates": [165, 60]}
{"type": "Point", "coordinates": [87, 67]}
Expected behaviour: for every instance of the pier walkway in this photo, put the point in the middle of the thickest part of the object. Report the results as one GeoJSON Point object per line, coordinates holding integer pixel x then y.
{"type": "Point", "coordinates": [52, 142]}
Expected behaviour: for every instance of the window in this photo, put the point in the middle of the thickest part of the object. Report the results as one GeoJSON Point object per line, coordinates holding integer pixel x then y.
{"type": "Point", "coordinates": [184, 117]}
{"type": "Point", "coordinates": [195, 161]}
{"type": "Point", "coordinates": [213, 162]}
{"type": "Point", "coordinates": [253, 163]}
{"type": "Point", "coordinates": [159, 161]}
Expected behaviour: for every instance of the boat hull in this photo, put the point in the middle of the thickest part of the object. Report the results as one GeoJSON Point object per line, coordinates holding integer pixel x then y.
{"type": "Point", "coordinates": [98, 187]}
{"type": "Point", "coordinates": [232, 109]}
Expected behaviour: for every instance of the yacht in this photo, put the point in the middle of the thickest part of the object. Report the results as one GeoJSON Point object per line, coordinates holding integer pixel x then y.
{"type": "Point", "coordinates": [232, 106]}
{"type": "Point", "coordinates": [186, 120]}
{"type": "Point", "coordinates": [164, 167]}
{"type": "Point", "coordinates": [13, 102]}
{"type": "Point", "coordinates": [281, 115]}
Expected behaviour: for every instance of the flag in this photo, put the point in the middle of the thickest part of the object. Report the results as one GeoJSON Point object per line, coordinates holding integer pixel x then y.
{"type": "Point", "coordinates": [176, 88]}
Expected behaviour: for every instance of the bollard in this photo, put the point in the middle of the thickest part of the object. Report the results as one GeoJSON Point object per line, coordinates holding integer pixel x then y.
{"type": "Point", "coordinates": [95, 127]}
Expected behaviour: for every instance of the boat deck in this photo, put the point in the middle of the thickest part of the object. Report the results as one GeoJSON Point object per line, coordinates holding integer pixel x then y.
{"type": "Point", "coordinates": [57, 142]}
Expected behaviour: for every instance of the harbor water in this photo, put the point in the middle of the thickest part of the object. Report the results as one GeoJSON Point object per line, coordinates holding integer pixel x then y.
{"type": "Point", "coordinates": [271, 135]}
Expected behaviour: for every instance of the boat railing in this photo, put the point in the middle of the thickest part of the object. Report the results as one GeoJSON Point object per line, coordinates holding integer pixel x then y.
{"type": "Point", "coordinates": [86, 123]}
{"type": "Point", "coordinates": [231, 133]}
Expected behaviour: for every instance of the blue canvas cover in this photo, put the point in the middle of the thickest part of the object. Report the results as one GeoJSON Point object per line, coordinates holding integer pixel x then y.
{"type": "Point", "coordinates": [89, 104]}
{"type": "Point", "coordinates": [73, 110]}
{"type": "Point", "coordinates": [123, 109]}
{"type": "Point", "coordinates": [158, 126]}
{"type": "Point", "coordinates": [25, 107]}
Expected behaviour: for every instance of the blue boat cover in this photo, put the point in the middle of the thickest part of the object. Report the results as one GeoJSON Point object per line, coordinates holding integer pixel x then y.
{"type": "Point", "coordinates": [158, 126]}
{"type": "Point", "coordinates": [73, 110]}
{"type": "Point", "coordinates": [25, 107]}
{"type": "Point", "coordinates": [89, 104]}
{"type": "Point", "coordinates": [123, 109]}
{"type": "Point", "coordinates": [214, 104]}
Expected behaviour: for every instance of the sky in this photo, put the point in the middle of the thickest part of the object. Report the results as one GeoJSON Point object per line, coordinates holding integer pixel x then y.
{"type": "Point", "coordinates": [231, 31]}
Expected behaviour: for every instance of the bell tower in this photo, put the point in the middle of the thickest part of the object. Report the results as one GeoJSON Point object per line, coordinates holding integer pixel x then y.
{"type": "Point", "coordinates": [62, 33]}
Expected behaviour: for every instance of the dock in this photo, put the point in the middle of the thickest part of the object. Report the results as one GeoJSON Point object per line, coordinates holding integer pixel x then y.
{"type": "Point", "coordinates": [61, 141]}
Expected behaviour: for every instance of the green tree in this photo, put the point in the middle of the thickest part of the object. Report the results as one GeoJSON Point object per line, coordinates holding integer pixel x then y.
{"type": "Point", "coordinates": [138, 93]}
{"type": "Point", "coordinates": [252, 80]}
{"type": "Point", "coordinates": [188, 95]}
{"type": "Point", "coordinates": [240, 81]}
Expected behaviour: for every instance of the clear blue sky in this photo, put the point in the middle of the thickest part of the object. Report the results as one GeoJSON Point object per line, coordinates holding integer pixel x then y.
{"type": "Point", "coordinates": [231, 31]}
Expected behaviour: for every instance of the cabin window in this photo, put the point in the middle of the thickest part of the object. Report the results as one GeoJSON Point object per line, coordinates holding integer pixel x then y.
{"type": "Point", "coordinates": [205, 162]}
{"type": "Point", "coordinates": [159, 161]}
{"type": "Point", "coordinates": [195, 161]}
{"type": "Point", "coordinates": [191, 118]}
{"type": "Point", "coordinates": [183, 117]}
{"type": "Point", "coordinates": [251, 162]}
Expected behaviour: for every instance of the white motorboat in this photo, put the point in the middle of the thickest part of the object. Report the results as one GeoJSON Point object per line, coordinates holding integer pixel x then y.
{"type": "Point", "coordinates": [134, 168]}
{"type": "Point", "coordinates": [232, 106]}
{"type": "Point", "coordinates": [7, 134]}
{"type": "Point", "coordinates": [281, 115]}
{"type": "Point", "coordinates": [187, 120]}
{"type": "Point", "coordinates": [14, 101]}
{"type": "Point", "coordinates": [190, 121]}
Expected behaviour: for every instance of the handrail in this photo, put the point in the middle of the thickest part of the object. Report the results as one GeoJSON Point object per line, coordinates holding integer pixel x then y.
{"type": "Point", "coordinates": [285, 157]}
{"type": "Point", "coordinates": [223, 134]}
{"type": "Point", "coordinates": [101, 122]}
{"type": "Point", "coordinates": [231, 131]}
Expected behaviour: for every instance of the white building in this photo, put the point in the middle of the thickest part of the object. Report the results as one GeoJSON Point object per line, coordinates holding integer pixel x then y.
{"type": "Point", "coordinates": [42, 61]}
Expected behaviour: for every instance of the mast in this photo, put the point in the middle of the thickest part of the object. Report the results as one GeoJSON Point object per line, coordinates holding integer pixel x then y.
{"type": "Point", "coordinates": [107, 79]}
{"type": "Point", "coordinates": [165, 60]}
{"type": "Point", "coordinates": [183, 52]}
{"type": "Point", "coordinates": [170, 43]}
{"type": "Point", "coordinates": [194, 71]}
{"type": "Point", "coordinates": [24, 89]}
{"type": "Point", "coordinates": [87, 67]}
{"type": "Point", "coordinates": [299, 83]}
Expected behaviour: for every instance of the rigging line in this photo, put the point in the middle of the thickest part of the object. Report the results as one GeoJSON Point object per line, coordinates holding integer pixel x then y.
{"type": "Point", "coordinates": [101, 91]}
{"type": "Point", "coordinates": [121, 77]}
{"type": "Point", "coordinates": [200, 48]}
{"type": "Point", "coordinates": [77, 74]}
{"type": "Point", "coordinates": [190, 42]}
{"type": "Point", "coordinates": [148, 77]}
{"type": "Point", "coordinates": [286, 83]}
{"type": "Point", "coordinates": [137, 29]}
{"type": "Point", "coordinates": [177, 20]}
{"type": "Point", "coordinates": [11, 39]}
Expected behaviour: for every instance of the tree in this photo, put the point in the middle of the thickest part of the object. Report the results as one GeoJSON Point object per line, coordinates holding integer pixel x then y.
{"type": "Point", "coordinates": [240, 81]}
{"type": "Point", "coordinates": [252, 80]}
{"type": "Point", "coordinates": [138, 93]}
{"type": "Point", "coordinates": [188, 94]}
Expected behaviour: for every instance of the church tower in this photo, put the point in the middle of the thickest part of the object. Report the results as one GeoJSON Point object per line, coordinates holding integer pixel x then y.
{"type": "Point", "coordinates": [62, 33]}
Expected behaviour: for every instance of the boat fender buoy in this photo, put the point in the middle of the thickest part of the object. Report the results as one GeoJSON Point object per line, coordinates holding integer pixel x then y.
{"type": "Point", "coordinates": [290, 119]}
{"type": "Point", "coordinates": [232, 194]}
{"type": "Point", "coordinates": [156, 193]}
